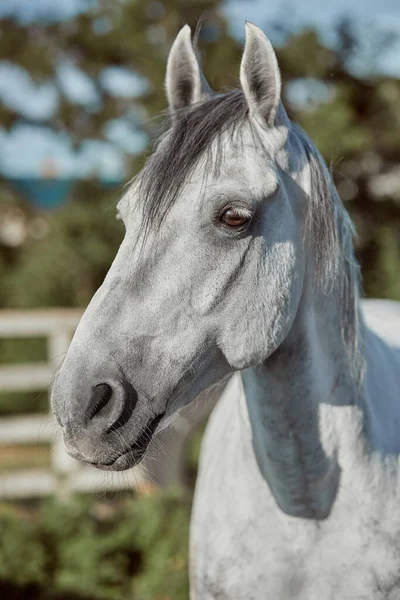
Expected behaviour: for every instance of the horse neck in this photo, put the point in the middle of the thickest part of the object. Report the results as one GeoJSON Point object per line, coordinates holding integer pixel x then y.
{"type": "Point", "coordinates": [283, 398]}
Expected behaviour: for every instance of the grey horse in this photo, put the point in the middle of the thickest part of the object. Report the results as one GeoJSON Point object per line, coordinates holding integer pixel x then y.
{"type": "Point", "coordinates": [237, 268]}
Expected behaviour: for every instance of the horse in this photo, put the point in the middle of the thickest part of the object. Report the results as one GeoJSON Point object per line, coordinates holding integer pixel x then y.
{"type": "Point", "coordinates": [237, 272]}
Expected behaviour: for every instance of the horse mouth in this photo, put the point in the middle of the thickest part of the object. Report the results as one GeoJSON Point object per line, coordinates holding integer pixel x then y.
{"type": "Point", "coordinates": [136, 451]}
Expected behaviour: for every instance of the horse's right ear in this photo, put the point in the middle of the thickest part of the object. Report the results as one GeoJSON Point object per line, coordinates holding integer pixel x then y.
{"type": "Point", "coordinates": [260, 76]}
{"type": "Point", "coordinates": [184, 82]}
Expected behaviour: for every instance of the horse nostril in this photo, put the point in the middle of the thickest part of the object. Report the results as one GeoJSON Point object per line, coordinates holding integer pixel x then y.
{"type": "Point", "coordinates": [101, 395]}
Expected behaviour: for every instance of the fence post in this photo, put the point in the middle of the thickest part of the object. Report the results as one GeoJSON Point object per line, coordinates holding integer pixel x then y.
{"type": "Point", "coordinates": [62, 465]}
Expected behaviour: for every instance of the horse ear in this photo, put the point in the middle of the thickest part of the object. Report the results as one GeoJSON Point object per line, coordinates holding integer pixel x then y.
{"type": "Point", "coordinates": [259, 75]}
{"type": "Point", "coordinates": [184, 82]}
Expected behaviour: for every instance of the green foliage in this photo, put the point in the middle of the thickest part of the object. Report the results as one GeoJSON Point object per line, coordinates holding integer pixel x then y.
{"type": "Point", "coordinates": [384, 280]}
{"type": "Point", "coordinates": [23, 403]}
{"type": "Point", "coordinates": [69, 264]}
{"type": "Point", "coordinates": [332, 126]}
{"type": "Point", "coordinates": [357, 130]}
{"type": "Point", "coordinates": [134, 35]}
{"type": "Point", "coordinates": [22, 350]}
{"type": "Point", "coordinates": [134, 550]}
{"type": "Point", "coordinates": [23, 558]}
{"type": "Point", "coordinates": [358, 119]}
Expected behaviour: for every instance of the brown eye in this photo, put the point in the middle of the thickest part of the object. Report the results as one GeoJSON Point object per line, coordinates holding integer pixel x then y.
{"type": "Point", "coordinates": [234, 217]}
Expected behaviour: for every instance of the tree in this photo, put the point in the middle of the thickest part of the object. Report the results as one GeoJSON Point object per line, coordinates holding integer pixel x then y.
{"type": "Point", "coordinates": [135, 36]}
{"type": "Point", "coordinates": [351, 114]}
{"type": "Point", "coordinates": [68, 263]}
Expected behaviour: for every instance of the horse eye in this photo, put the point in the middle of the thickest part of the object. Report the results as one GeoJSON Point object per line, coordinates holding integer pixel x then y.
{"type": "Point", "coordinates": [234, 217]}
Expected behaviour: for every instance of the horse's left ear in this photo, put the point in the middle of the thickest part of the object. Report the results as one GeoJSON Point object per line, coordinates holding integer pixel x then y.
{"type": "Point", "coordinates": [185, 83]}
{"type": "Point", "coordinates": [259, 75]}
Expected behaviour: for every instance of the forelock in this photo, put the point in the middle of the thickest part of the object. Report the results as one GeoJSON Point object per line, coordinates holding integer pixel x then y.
{"type": "Point", "coordinates": [188, 137]}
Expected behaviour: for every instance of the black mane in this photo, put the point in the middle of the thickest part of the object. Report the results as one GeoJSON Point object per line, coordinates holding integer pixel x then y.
{"type": "Point", "coordinates": [188, 135]}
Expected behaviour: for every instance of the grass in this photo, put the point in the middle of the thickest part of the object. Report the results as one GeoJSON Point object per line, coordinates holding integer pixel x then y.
{"type": "Point", "coordinates": [22, 350]}
{"type": "Point", "coordinates": [15, 458]}
{"type": "Point", "coordinates": [23, 403]}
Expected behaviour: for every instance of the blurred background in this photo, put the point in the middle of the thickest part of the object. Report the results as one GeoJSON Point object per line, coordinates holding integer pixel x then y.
{"type": "Point", "coordinates": [81, 83]}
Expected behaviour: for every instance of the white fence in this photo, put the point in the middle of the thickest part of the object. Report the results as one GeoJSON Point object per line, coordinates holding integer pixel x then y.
{"type": "Point", "coordinates": [65, 474]}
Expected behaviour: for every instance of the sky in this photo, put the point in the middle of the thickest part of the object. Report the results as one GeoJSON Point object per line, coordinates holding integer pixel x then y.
{"type": "Point", "coordinates": [24, 151]}
{"type": "Point", "coordinates": [381, 14]}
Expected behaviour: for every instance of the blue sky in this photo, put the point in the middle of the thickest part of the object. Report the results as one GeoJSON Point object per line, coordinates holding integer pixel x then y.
{"type": "Point", "coordinates": [25, 150]}
{"type": "Point", "coordinates": [380, 14]}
